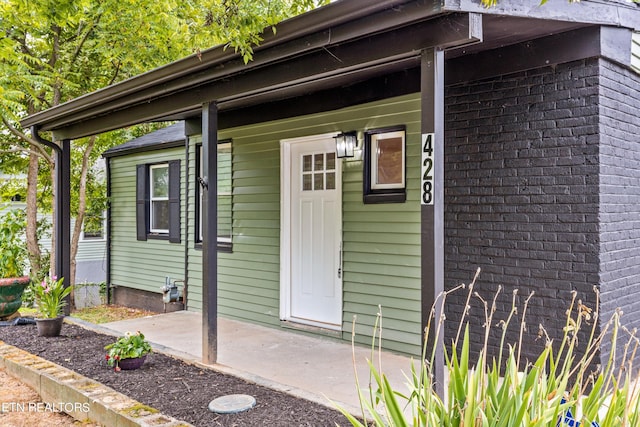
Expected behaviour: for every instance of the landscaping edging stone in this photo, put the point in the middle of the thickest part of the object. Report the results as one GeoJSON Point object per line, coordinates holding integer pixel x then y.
{"type": "Point", "coordinates": [80, 397]}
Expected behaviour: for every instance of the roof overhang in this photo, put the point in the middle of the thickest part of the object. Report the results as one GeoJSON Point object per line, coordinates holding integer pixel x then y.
{"type": "Point", "coordinates": [352, 45]}
{"type": "Point", "coordinates": [614, 13]}
{"type": "Point", "coordinates": [342, 43]}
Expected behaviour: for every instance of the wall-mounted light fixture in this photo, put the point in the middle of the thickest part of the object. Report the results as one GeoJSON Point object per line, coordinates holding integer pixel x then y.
{"type": "Point", "coordinates": [345, 144]}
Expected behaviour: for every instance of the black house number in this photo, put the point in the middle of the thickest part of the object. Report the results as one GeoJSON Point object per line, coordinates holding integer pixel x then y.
{"type": "Point", "coordinates": [427, 169]}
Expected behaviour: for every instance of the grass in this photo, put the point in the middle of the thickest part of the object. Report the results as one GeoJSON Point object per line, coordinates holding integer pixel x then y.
{"type": "Point", "coordinates": [28, 311]}
{"type": "Point", "coordinates": [109, 313]}
{"type": "Point", "coordinates": [98, 314]}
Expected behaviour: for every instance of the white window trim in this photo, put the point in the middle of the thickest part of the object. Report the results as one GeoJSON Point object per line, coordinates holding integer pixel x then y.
{"type": "Point", "coordinates": [96, 239]}
{"type": "Point", "coordinates": [156, 199]}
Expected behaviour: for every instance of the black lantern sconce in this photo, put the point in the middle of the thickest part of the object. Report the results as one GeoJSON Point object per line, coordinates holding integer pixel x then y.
{"type": "Point", "coordinates": [345, 144]}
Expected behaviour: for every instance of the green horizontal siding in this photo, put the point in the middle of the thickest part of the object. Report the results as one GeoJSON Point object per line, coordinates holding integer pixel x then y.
{"type": "Point", "coordinates": [88, 250]}
{"type": "Point", "coordinates": [225, 221]}
{"type": "Point", "coordinates": [382, 242]}
{"type": "Point", "coordinates": [91, 250]}
{"type": "Point", "coordinates": [137, 264]}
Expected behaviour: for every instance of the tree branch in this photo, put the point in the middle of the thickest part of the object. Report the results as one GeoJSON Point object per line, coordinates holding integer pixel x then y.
{"type": "Point", "coordinates": [116, 72]}
{"type": "Point", "coordinates": [39, 149]}
{"type": "Point", "coordinates": [89, 30]}
{"type": "Point", "coordinates": [55, 45]}
{"type": "Point", "coordinates": [22, 41]}
{"type": "Point", "coordinates": [22, 150]}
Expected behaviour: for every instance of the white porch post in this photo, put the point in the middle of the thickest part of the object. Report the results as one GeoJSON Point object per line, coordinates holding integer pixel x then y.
{"type": "Point", "coordinates": [210, 233]}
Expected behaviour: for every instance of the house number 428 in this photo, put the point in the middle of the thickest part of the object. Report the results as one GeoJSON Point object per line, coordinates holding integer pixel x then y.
{"type": "Point", "coordinates": [428, 189]}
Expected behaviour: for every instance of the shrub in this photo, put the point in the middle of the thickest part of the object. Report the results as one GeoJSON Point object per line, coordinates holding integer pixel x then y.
{"type": "Point", "coordinates": [557, 389]}
{"type": "Point", "coordinates": [13, 253]}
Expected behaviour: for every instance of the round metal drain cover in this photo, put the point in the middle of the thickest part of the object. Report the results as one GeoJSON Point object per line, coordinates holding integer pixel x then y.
{"type": "Point", "coordinates": [232, 404]}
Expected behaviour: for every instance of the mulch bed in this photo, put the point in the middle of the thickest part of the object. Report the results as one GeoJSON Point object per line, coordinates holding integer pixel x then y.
{"type": "Point", "coordinates": [174, 387]}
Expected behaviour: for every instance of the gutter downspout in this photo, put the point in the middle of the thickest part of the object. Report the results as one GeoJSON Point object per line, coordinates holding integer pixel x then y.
{"type": "Point", "coordinates": [62, 205]}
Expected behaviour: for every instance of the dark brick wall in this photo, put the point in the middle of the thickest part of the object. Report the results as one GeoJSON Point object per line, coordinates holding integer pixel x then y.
{"type": "Point", "coordinates": [620, 196]}
{"type": "Point", "coordinates": [521, 196]}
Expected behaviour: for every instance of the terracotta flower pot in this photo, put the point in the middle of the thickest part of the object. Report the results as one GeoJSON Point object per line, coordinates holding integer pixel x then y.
{"type": "Point", "coordinates": [11, 294]}
{"type": "Point", "coordinates": [49, 327]}
{"type": "Point", "coordinates": [131, 364]}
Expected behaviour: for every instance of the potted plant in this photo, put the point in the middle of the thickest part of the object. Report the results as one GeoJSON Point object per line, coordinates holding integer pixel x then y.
{"type": "Point", "coordinates": [49, 297]}
{"type": "Point", "coordinates": [13, 260]}
{"type": "Point", "coordinates": [128, 352]}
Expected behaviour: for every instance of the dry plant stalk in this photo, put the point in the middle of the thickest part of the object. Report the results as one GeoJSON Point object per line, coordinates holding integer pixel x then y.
{"type": "Point", "coordinates": [505, 391]}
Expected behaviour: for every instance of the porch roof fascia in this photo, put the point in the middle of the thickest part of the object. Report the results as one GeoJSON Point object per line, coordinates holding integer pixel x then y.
{"type": "Point", "coordinates": [318, 24]}
{"type": "Point", "coordinates": [615, 13]}
{"type": "Point", "coordinates": [319, 29]}
{"type": "Point", "coordinates": [324, 66]}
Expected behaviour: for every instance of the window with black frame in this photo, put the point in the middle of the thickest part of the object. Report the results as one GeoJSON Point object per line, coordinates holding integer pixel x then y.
{"type": "Point", "coordinates": [224, 196]}
{"type": "Point", "coordinates": [159, 198]}
{"type": "Point", "coordinates": [158, 201]}
{"type": "Point", "coordinates": [385, 165]}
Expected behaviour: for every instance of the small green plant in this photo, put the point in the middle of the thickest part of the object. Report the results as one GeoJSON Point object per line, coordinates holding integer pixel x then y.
{"type": "Point", "coordinates": [49, 297]}
{"type": "Point", "coordinates": [556, 390]}
{"type": "Point", "coordinates": [103, 292]}
{"type": "Point", "coordinates": [129, 346]}
{"type": "Point", "coordinates": [13, 252]}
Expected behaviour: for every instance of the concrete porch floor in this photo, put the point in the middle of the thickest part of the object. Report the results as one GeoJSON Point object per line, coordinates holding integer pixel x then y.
{"type": "Point", "coordinates": [316, 369]}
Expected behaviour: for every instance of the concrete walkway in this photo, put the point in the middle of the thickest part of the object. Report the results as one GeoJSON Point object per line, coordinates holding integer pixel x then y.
{"type": "Point", "coordinates": [316, 369]}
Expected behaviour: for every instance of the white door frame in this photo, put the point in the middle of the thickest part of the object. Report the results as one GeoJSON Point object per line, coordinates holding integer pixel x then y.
{"type": "Point", "coordinates": [285, 221]}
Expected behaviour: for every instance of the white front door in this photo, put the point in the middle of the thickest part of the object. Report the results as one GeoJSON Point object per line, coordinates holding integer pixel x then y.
{"type": "Point", "coordinates": [312, 214]}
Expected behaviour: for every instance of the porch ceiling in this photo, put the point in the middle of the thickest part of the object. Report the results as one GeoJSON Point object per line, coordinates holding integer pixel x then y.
{"type": "Point", "coordinates": [339, 44]}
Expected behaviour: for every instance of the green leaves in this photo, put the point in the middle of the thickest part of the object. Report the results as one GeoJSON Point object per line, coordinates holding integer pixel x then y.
{"type": "Point", "coordinates": [505, 392]}
{"type": "Point", "coordinates": [58, 50]}
{"type": "Point", "coordinates": [13, 255]}
{"type": "Point", "coordinates": [50, 297]}
{"type": "Point", "coordinates": [240, 23]}
{"type": "Point", "coordinates": [52, 51]}
{"type": "Point", "coordinates": [127, 347]}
